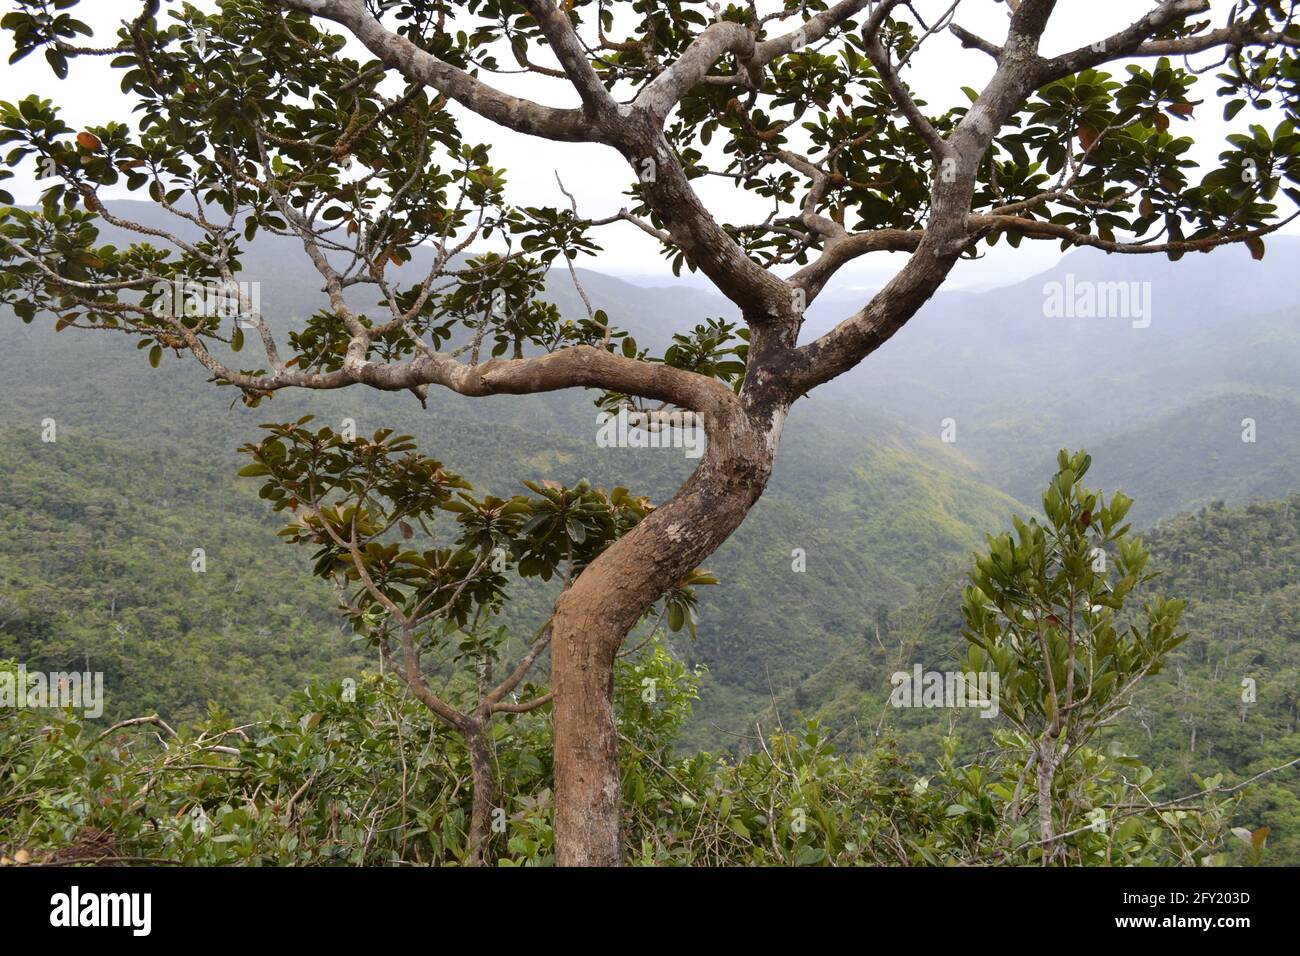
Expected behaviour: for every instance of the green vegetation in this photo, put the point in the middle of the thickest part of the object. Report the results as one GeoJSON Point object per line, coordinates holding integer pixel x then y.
{"type": "Point", "coordinates": [883, 511]}
{"type": "Point", "coordinates": [1240, 571]}
{"type": "Point", "coordinates": [1237, 570]}
{"type": "Point", "coordinates": [877, 512]}
{"type": "Point", "coordinates": [1045, 612]}
{"type": "Point", "coordinates": [367, 774]}
{"type": "Point", "coordinates": [95, 564]}
{"type": "Point", "coordinates": [377, 780]}
{"type": "Point", "coordinates": [96, 572]}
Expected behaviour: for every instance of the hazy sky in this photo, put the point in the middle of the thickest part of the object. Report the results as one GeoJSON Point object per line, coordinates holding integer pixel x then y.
{"type": "Point", "coordinates": [597, 176]}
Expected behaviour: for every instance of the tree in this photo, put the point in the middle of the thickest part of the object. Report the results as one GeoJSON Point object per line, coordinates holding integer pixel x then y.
{"type": "Point", "coordinates": [361, 500]}
{"type": "Point", "coordinates": [257, 118]}
{"type": "Point", "coordinates": [1045, 609]}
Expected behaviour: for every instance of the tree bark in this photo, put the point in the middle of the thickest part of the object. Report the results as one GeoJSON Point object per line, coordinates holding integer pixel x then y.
{"type": "Point", "coordinates": [588, 803]}
{"type": "Point", "coordinates": [1046, 776]}
{"type": "Point", "coordinates": [485, 793]}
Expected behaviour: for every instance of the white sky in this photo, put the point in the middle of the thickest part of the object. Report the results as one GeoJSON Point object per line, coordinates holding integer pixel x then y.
{"type": "Point", "coordinates": [597, 176]}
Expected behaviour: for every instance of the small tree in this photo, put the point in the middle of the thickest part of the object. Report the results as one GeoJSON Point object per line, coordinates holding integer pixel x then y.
{"type": "Point", "coordinates": [371, 507]}
{"type": "Point", "coordinates": [1045, 609]}
{"type": "Point", "coordinates": [257, 118]}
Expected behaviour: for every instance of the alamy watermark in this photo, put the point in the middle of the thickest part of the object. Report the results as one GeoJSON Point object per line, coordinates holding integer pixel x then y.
{"type": "Point", "coordinates": [634, 429]}
{"type": "Point", "coordinates": [1085, 299]}
{"type": "Point", "coordinates": [226, 299]}
{"type": "Point", "coordinates": [39, 690]}
{"type": "Point", "coordinates": [75, 908]}
{"type": "Point", "coordinates": [920, 688]}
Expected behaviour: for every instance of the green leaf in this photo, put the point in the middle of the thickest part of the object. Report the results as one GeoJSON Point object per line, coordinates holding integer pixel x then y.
{"type": "Point", "coordinates": [809, 856]}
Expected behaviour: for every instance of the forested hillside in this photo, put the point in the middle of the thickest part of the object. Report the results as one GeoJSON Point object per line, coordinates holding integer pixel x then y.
{"type": "Point", "coordinates": [876, 506]}
{"type": "Point", "coordinates": [1238, 569]}
{"type": "Point", "coordinates": [866, 497]}
{"type": "Point", "coordinates": [98, 575]}
{"type": "Point", "coordinates": [1194, 456]}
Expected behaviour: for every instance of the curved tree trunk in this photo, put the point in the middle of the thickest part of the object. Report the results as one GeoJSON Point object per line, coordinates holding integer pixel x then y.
{"type": "Point", "coordinates": [594, 616]}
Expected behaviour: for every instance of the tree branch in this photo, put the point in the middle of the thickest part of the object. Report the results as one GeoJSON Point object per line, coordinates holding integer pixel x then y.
{"type": "Point", "coordinates": [1039, 229]}
{"type": "Point", "coordinates": [894, 85]}
{"type": "Point", "coordinates": [569, 50]}
{"type": "Point", "coordinates": [1123, 43]}
{"type": "Point", "coordinates": [399, 53]}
